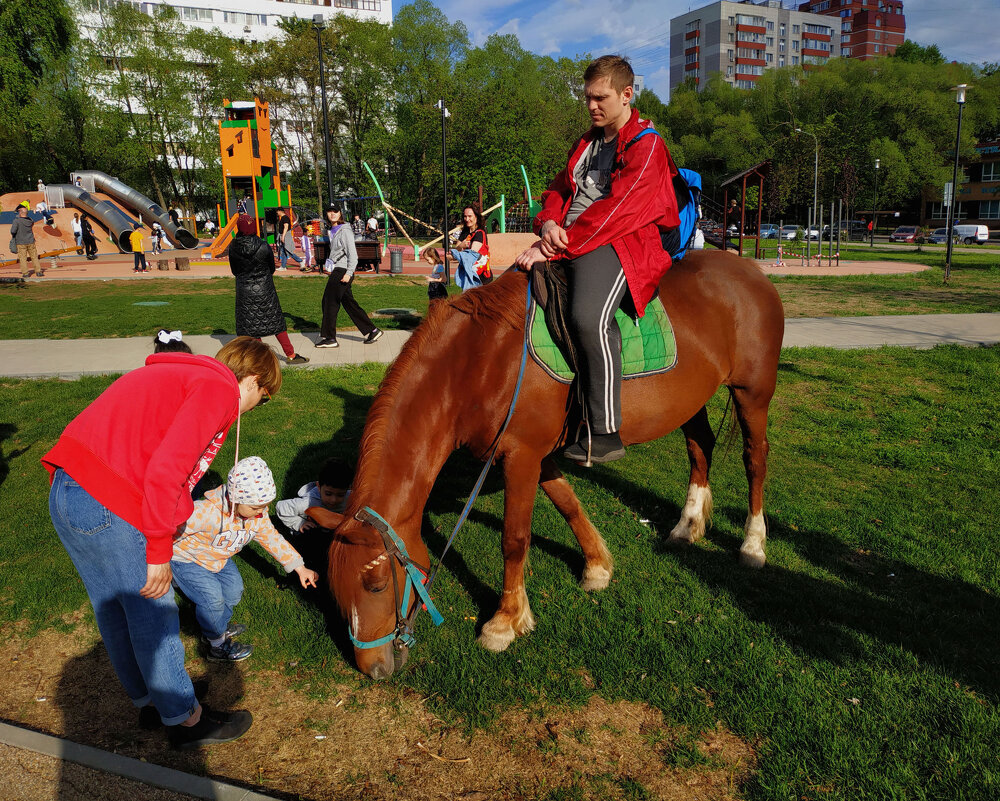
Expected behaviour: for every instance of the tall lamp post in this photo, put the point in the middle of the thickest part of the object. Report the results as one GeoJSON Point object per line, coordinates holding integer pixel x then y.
{"type": "Point", "coordinates": [444, 183]}
{"type": "Point", "coordinates": [815, 222]}
{"type": "Point", "coordinates": [953, 208]}
{"type": "Point", "coordinates": [871, 239]}
{"type": "Point", "coordinates": [319, 23]}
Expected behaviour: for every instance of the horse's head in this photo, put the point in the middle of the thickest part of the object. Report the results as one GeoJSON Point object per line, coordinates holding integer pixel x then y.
{"type": "Point", "coordinates": [368, 583]}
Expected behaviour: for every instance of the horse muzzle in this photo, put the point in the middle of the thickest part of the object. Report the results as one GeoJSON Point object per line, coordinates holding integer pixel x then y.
{"type": "Point", "coordinates": [382, 662]}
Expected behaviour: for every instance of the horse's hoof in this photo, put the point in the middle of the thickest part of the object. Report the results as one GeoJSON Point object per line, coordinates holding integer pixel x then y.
{"type": "Point", "coordinates": [752, 557]}
{"type": "Point", "coordinates": [681, 535]}
{"type": "Point", "coordinates": [595, 578]}
{"type": "Point", "coordinates": [496, 636]}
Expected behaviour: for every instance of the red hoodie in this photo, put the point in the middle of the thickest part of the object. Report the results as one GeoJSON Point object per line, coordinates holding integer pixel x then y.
{"type": "Point", "coordinates": [143, 444]}
{"type": "Point", "coordinates": [639, 206]}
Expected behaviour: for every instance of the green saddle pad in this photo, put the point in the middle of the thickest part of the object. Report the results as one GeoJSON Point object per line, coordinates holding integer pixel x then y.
{"type": "Point", "coordinates": [647, 348]}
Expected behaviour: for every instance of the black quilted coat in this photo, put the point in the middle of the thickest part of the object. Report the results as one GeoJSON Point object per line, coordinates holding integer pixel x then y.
{"type": "Point", "coordinates": [258, 312]}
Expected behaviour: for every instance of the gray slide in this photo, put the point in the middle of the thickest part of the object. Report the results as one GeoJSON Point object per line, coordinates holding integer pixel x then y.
{"type": "Point", "coordinates": [118, 223]}
{"type": "Point", "coordinates": [147, 209]}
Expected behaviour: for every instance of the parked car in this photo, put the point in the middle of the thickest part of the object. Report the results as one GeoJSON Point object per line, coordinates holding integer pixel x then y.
{"type": "Point", "coordinates": [790, 231]}
{"type": "Point", "coordinates": [768, 231]}
{"type": "Point", "coordinates": [938, 237]}
{"type": "Point", "coordinates": [905, 233]}
{"type": "Point", "coordinates": [972, 234]}
{"type": "Point", "coordinates": [812, 232]}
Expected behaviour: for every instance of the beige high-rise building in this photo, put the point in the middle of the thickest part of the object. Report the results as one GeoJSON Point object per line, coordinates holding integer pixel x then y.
{"type": "Point", "coordinates": [742, 39]}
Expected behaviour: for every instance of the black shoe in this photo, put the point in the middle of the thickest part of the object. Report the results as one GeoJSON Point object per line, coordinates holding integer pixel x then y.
{"type": "Point", "coordinates": [374, 336]}
{"type": "Point", "coordinates": [229, 651]}
{"type": "Point", "coordinates": [149, 718]}
{"type": "Point", "coordinates": [298, 359]}
{"type": "Point", "coordinates": [214, 727]}
{"type": "Point", "coordinates": [328, 343]}
{"type": "Point", "coordinates": [603, 448]}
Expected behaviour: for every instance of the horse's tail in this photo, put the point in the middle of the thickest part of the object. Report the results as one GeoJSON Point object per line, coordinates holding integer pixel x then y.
{"type": "Point", "coordinates": [727, 437]}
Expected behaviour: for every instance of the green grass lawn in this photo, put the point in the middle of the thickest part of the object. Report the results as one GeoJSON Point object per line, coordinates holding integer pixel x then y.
{"type": "Point", "coordinates": [70, 310]}
{"type": "Point", "coordinates": [861, 662]}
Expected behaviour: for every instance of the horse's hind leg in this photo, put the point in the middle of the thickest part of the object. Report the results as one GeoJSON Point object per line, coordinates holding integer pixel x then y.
{"type": "Point", "coordinates": [513, 616]}
{"type": "Point", "coordinates": [600, 565]}
{"type": "Point", "coordinates": [698, 505]}
{"type": "Point", "coordinates": [751, 411]}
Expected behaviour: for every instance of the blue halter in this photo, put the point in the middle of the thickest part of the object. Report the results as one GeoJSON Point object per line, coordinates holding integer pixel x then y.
{"type": "Point", "coordinates": [418, 578]}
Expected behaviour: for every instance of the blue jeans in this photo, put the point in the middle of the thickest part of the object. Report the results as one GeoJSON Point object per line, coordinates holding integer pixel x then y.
{"type": "Point", "coordinates": [141, 635]}
{"type": "Point", "coordinates": [214, 595]}
{"type": "Point", "coordinates": [284, 255]}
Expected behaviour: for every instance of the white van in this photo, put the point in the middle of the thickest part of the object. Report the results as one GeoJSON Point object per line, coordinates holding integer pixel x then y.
{"type": "Point", "coordinates": [972, 234]}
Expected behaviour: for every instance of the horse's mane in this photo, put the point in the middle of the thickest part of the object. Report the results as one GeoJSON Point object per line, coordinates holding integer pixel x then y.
{"type": "Point", "coordinates": [500, 303]}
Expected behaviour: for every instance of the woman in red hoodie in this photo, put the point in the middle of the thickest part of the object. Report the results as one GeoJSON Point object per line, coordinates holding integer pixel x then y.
{"type": "Point", "coordinates": [121, 490]}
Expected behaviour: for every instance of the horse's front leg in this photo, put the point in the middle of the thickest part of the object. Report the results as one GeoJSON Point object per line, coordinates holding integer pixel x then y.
{"type": "Point", "coordinates": [600, 565]}
{"type": "Point", "coordinates": [513, 617]}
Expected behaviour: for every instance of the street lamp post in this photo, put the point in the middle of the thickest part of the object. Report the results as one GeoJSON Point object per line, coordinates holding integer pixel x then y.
{"type": "Point", "coordinates": [871, 239]}
{"type": "Point", "coordinates": [444, 183]}
{"type": "Point", "coordinates": [953, 207]}
{"type": "Point", "coordinates": [319, 23]}
{"type": "Point", "coordinates": [815, 192]}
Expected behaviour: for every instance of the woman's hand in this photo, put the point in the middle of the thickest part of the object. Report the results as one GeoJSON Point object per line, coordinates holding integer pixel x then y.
{"type": "Point", "coordinates": [530, 258]}
{"type": "Point", "coordinates": [346, 279]}
{"type": "Point", "coordinates": [158, 578]}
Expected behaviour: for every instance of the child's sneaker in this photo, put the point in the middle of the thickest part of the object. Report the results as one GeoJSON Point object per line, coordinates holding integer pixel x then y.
{"type": "Point", "coordinates": [229, 651]}
{"type": "Point", "coordinates": [235, 630]}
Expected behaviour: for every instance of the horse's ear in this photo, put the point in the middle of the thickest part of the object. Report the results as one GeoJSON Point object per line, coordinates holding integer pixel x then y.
{"type": "Point", "coordinates": [324, 517]}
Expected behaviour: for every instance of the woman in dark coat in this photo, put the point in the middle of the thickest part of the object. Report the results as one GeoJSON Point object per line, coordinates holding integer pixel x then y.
{"type": "Point", "coordinates": [258, 312]}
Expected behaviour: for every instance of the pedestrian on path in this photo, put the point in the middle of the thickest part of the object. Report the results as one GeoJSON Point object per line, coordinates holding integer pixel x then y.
{"type": "Point", "coordinates": [23, 237]}
{"type": "Point", "coordinates": [89, 239]}
{"type": "Point", "coordinates": [258, 310]}
{"type": "Point", "coordinates": [121, 489]}
{"type": "Point", "coordinates": [340, 266]}
{"type": "Point", "coordinates": [135, 239]}
{"type": "Point", "coordinates": [286, 240]}
{"type": "Point", "coordinates": [78, 234]}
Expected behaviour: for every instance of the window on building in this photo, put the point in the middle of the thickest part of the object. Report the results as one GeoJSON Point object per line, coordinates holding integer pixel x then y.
{"type": "Point", "coordinates": [846, 27]}
{"type": "Point", "coordinates": [878, 35]}
{"type": "Point", "coordinates": [781, 45]}
{"type": "Point", "coordinates": [694, 25]}
{"type": "Point", "coordinates": [795, 60]}
{"type": "Point", "coordinates": [989, 210]}
{"type": "Point", "coordinates": [730, 36]}
{"type": "Point", "coordinates": [781, 61]}
{"type": "Point", "coordinates": [363, 5]}
{"type": "Point", "coordinates": [732, 21]}
{"type": "Point", "coordinates": [878, 49]}
{"type": "Point", "coordinates": [744, 84]}
{"type": "Point", "coordinates": [690, 58]}
{"type": "Point", "coordinates": [795, 29]}
{"type": "Point", "coordinates": [747, 52]}
{"type": "Point", "coordinates": [822, 30]}
{"type": "Point", "coordinates": [795, 45]}
{"type": "Point", "coordinates": [748, 19]}
{"type": "Point", "coordinates": [781, 29]}
{"type": "Point", "coordinates": [729, 54]}
{"type": "Point", "coordinates": [845, 38]}
{"type": "Point", "coordinates": [770, 25]}
{"type": "Point", "coordinates": [729, 72]}
{"type": "Point", "coordinates": [770, 41]}
{"type": "Point", "coordinates": [196, 14]}
{"type": "Point", "coordinates": [991, 171]}
{"type": "Point", "coordinates": [878, 22]}
{"type": "Point", "coordinates": [845, 52]}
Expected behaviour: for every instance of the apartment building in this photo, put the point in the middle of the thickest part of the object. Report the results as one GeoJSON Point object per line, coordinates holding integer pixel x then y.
{"type": "Point", "coordinates": [742, 39]}
{"type": "Point", "coordinates": [253, 20]}
{"type": "Point", "coordinates": [978, 192]}
{"type": "Point", "coordinates": [868, 28]}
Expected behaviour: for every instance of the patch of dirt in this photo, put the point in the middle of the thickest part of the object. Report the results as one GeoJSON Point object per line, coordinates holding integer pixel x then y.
{"type": "Point", "coordinates": [371, 743]}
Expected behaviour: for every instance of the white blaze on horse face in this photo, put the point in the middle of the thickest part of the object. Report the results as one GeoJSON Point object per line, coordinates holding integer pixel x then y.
{"type": "Point", "coordinates": [694, 516]}
{"type": "Point", "coordinates": [754, 534]}
{"type": "Point", "coordinates": [354, 619]}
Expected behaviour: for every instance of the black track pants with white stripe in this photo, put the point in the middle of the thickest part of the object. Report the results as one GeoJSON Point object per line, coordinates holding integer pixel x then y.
{"type": "Point", "coordinates": [596, 289]}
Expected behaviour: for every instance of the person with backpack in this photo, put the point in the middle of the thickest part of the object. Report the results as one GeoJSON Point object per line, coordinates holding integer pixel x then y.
{"type": "Point", "coordinates": [603, 216]}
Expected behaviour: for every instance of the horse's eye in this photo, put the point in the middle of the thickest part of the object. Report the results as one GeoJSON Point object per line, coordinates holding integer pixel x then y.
{"type": "Point", "coordinates": [380, 588]}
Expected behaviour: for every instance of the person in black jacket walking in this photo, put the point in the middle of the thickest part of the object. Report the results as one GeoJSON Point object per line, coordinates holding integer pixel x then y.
{"type": "Point", "coordinates": [258, 311]}
{"type": "Point", "coordinates": [89, 238]}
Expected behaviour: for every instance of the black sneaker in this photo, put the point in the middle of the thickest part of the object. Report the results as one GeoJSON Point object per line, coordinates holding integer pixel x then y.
{"type": "Point", "coordinates": [328, 343]}
{"type": "Point", "coordinates": [214, 727]}
{"type": "Point", "coordinates": [234, 630]}
{"type": "Point", "coordinates": [229, 651]}
{"type": "Point", "coordinates": [603, 448]}
{"type": "Point", "coordinates": [298, 359]}
{"type": "Point", "coordinates": [149, 718]}
{"type": "Point", "coordinates": [374, 336]}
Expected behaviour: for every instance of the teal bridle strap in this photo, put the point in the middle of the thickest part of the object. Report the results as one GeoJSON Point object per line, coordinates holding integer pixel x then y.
{"type": "Point", "coordinates": [415, 578]}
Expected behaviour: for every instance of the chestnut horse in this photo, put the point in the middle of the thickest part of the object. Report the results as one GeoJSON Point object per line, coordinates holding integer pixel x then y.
{"type": "Point", "coordinates": [463, 361]}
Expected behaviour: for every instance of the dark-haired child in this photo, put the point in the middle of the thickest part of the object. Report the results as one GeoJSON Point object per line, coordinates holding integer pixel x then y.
{"type": "Point", "coordinates": [169, 342]}
{"type": "Point", "coordinates": [330, 491]}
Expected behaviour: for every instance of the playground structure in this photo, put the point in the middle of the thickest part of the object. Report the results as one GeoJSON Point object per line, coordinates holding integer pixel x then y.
{"type": "Point", "coordinates": [249, 171]}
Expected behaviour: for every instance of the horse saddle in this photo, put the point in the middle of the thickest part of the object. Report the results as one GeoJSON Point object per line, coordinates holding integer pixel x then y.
{"type": "Point", "coordinates": [648, 343]}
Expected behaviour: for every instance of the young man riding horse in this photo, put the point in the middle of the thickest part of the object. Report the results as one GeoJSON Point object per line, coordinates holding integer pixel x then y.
{"type": "Point", "coordinates": [603, 216]}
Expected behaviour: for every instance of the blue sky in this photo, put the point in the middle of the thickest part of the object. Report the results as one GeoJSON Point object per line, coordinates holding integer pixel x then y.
{"type": "Point", "coordinates": [965, 30]}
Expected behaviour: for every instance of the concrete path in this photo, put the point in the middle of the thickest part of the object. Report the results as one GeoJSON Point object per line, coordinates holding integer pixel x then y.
{"type": "Point", "coordinates": [65, 358]}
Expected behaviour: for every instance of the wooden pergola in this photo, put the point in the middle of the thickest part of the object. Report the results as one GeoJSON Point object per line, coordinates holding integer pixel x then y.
{"type": "Point", "coordinates": [755, 174]}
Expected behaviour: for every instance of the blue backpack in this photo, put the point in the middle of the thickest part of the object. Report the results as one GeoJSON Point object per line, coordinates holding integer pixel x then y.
{"type": "Point", "coordinates": [687, 187]}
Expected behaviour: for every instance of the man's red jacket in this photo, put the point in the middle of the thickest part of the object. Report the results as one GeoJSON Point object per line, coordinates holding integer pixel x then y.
{"type": "Point", "coordinates": [640, 205]}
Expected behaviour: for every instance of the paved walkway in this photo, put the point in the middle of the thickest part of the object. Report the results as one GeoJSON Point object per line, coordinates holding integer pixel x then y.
{"type": "Point", "coordinates": [65, 358]}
